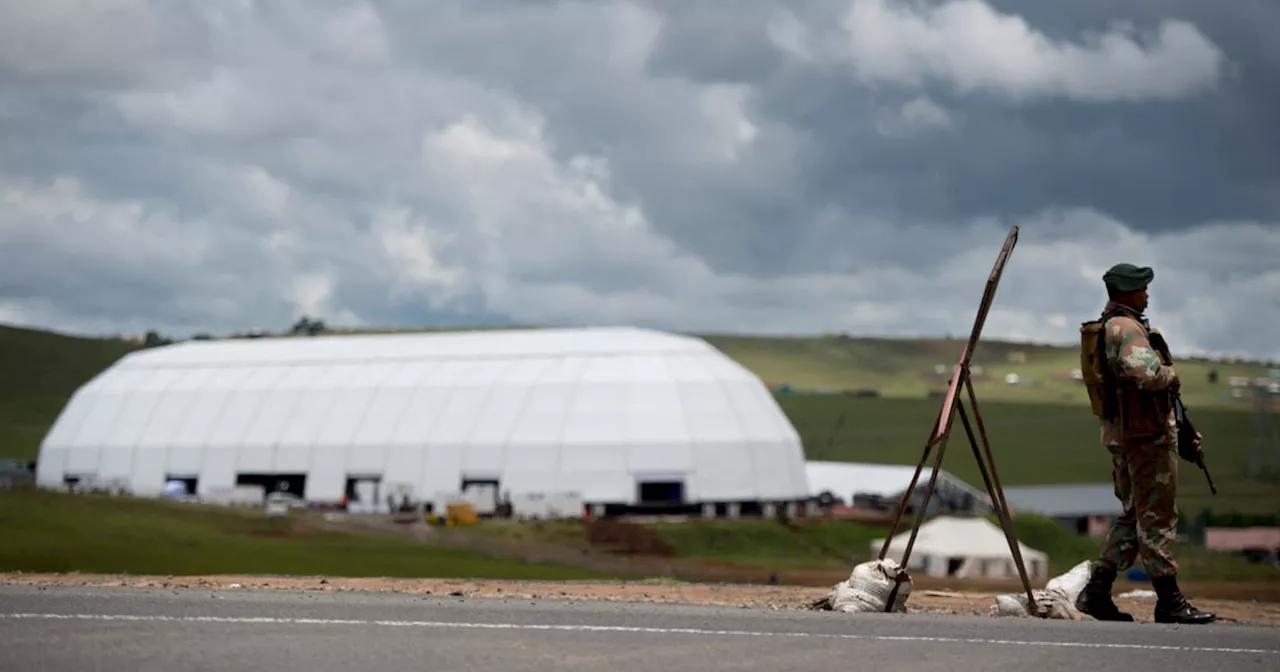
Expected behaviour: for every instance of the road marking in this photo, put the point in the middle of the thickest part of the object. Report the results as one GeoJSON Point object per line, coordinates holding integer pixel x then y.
{"type": "Point", "coordinates": [620, 628]}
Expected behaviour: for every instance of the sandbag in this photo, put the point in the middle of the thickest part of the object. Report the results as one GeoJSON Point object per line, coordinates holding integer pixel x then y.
{"type": "Point", "coordinates": [1056, 601]}
{"type": "Point", "coordinates": [867, 589]}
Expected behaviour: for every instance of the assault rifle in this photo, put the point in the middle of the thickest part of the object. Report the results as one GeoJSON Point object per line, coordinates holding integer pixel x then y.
{"type": "Point", "coordinates": [1187, 448]}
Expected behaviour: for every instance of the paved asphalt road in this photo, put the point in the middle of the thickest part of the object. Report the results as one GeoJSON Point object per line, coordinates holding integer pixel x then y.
{"type": "Point", "coordinates": [132, 630]}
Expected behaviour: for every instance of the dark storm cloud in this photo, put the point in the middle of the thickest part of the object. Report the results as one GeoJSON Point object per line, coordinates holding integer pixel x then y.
{"type": "Point", "coordinates": [664, 163]}
{"type": "Point", "coordinates": [1156, 164]}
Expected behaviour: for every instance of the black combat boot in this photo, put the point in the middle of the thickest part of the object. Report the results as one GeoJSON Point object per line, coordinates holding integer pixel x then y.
{"type": "Point", "coordinates": [1095, 599]}
{"type": "Point", "coordinates": [1172, 607]}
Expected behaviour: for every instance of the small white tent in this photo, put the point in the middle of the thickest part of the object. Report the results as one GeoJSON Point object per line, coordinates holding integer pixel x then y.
{"type": "Point", "coordinates": [964, 548]}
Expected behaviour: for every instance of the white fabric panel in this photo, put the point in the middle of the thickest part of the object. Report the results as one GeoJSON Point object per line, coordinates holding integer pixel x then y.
{"type": "Point", "coordinates": [237, 415]}
{"type": "Point", "coordinates": [771, 461]}
{"type": "Point", "coordinates": [315, 394]}
{"type": "Point", "coordinates": [51, 467]}
{"type": "Point", "coordinates": [210, 394]}
{"type": "Point", "coordinates": [708, 414]}
{"type": "Point", "coordinates": [495, 426]}
{"type": "Point", "coordinates": [641, 457]}
{"type": "Point", "coordinates": [654, 415]}
{"type": "Point", "coordinates": [279, 403]}
{"type": "Point", "coordinates": [539, 462]}
{"type": "Point", "coordinates": [67, 425]}
{"type": "Point", "coordinates": [328, 476]}
{"type": "Point", "coordinates": [544, 416]}
{"type": "Point", "coordinates": [642, 369]}
{"type": "Point", "coordinates": [392, 406]}
{"type": "Point", "coordinates": [172, 408]}
{"type": "Point", "coordinates": [343, 421]}
{"type": "Point", "coordinates": [206, 409]}
{"type": "Point", "coordinates": [725, 471]}
{"type": "Point", "coordinates": [594, 413]}
{"type": "Point", "coordinates": [441, 470]}
{"type": "Point", "coordinates": [776, 465]}
{"type": "Point", "coordinates": [105, 403]}
{"type": "Point", "coordinates": [217, 468]}
{"type": "Point", "coordinates": [136, 408]}
{"type": "Point", "coordinates": [147, 466]}
{"type": "Point", "coordinates": [531, 480]}
{"type": "Point", "coordinates": [468, 401]}
{"type": "Point", "coordinates": [327, 479]}
{"type": "Point", "coordinates": [599, 486]}
{"type": "Point", "coordinates": [411, 445]}
{"type": "Point", "coordinates": [218, 463]}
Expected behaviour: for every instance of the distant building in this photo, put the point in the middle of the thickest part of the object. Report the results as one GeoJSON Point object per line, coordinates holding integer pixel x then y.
{"type": "Point", "coordinates": [1259, 544]}
{"type": "Point", "coordinates": [1087, 508]}
{"type": "Point", "coordinates": [881, 486]}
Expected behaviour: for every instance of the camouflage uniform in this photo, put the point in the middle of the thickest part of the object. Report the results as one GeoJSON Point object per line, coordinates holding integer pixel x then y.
{"type": "Point", "coordinates": [1142, 438]}
{"type": "Point", "coordinates": [1144, 451]}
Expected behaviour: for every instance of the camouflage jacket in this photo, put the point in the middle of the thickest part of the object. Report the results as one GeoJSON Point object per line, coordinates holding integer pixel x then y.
{"type": "Point", "coordinates": [1143, 380]}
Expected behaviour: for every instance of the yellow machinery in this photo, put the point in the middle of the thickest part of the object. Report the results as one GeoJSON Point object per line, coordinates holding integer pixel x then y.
{"type": "Point", "coordinates": [456, 513]}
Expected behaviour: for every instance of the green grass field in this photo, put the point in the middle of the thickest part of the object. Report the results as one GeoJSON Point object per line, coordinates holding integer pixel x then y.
{"type": "Point", "coordinates": [57, 532]}
{"type": "Point", "coordinates": [1041, 432]}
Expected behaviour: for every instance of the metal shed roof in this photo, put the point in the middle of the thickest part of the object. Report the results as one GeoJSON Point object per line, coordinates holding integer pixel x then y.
{"type": "Point", "coordinates": [1066, 499]}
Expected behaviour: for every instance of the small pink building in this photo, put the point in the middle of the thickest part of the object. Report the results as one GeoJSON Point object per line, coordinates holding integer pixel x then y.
{"type": "Point", "coordinates": [1241, 538]}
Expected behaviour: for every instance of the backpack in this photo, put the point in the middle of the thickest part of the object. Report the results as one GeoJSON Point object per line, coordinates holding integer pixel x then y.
{"type": "Point", "coordinates": [1097, 376]}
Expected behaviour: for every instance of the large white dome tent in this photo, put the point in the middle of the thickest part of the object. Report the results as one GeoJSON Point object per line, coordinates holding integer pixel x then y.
{"type": "Point", "coordinates": [616, 415]}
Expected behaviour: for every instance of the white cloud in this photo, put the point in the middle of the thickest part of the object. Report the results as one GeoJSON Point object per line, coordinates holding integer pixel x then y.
{"type": "Point", "coordinates": [304, 161]}
{"type": "Point", "coordinates": [546, 230]}
{"type": "Point", "coordinates": [920, 114]}
{"type": "Point", "coordinates": [974, 48]}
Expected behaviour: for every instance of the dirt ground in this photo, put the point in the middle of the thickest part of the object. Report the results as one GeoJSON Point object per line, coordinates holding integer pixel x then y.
{"type": "Point", "coordinates": [732, 595]}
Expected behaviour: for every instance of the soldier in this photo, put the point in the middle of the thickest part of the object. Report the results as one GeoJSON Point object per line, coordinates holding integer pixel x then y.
{"type": "Point", "coordinates": [1142, 440]}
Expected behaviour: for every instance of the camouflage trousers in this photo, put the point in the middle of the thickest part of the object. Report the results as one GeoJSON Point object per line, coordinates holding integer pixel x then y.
{"type": "Point", "coordinates": [1146, 482]}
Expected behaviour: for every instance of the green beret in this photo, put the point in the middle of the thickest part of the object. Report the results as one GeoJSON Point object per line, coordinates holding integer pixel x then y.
{"type": "Point", "coordinates": [1128, 278]}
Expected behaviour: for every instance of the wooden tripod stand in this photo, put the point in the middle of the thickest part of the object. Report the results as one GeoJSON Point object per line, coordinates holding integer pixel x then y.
{"type": "Point", "coordinates": [941, 432]}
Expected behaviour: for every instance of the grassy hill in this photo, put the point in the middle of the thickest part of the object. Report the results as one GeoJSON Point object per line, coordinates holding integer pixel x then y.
{"type": "Point", "coordinates": [1040, 429]}
{"type": "Point", "coordinates": [39, 371]}
{"type": "Point", "coordinates": [907, 368]}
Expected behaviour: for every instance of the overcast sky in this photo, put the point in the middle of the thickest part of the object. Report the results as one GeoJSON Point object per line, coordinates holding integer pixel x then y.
{"type": "Point", "coordinates": [747, 166]}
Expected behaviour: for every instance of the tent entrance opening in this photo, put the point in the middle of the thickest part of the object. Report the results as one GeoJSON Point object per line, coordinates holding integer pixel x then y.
{"type": "Point", "coordinates": [661, 492]}
{"type": "Point", "coordinates": [363, 492]}
{"type": "Point", "coordinates": [293, 484]}
{"type": "Point", "coordinates": [180, 485]}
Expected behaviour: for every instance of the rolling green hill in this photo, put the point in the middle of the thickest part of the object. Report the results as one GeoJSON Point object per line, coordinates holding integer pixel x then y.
{"type": "Point", "coordinates": [39, 371]}
{"type": "Point", "coordinates": [1040, 429]}
{"type": "Point", "coordinates": [908, 368]}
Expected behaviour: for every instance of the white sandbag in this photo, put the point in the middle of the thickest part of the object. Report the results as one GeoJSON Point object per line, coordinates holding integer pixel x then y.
{"type": "Point", "coordinates": [1056, 601]}
{"type": "Point", "coordinates": [867, 589]}
{"type": "Point", "coordinates": [1070, 585]}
